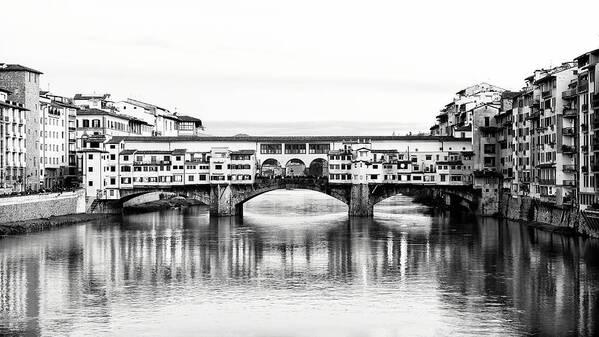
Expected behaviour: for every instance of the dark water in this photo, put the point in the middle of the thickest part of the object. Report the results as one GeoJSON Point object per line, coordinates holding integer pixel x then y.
{"type": "Point", "coordinates": [296, 266]}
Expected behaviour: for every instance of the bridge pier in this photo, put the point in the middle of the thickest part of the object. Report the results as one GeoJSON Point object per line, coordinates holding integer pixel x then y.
{"type": "Point", "coordinates": [222, 201]}
{"type": "Point", "coordinates": [359, 201]}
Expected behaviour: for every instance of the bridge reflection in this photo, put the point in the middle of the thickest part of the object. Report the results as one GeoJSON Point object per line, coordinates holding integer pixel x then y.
{"type": "Point", "coordinates": [548, 280]}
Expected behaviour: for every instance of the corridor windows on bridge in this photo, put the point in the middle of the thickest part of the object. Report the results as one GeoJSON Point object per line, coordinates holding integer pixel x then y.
{"type": "Point", "coordinates": [295, 148]}
{"type": "Point", "coordinates": [319, 148]}
{"type": "Point", "coordinates": [271, 148]}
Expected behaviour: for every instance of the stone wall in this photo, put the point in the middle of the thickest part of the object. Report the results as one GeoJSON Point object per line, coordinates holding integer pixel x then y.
{"type": "Point", "coordinates": [535, 211]}
{"type": "Point", "coordinates": [41, 206]}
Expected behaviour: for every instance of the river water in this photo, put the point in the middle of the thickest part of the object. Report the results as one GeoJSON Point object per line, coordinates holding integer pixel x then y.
{"type": "Point", "coordinates": [295, 265]}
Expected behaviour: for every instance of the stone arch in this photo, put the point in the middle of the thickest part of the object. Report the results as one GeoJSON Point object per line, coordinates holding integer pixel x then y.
{"type": "Point", "coordinates": [319, 167]}
{"type": "Point", "coordinates": [295, 168]}
{"type": "Point", "coordinates": [271, 168]}
{"type": "Point", "coordinates": [245, 197]}
{"type": "Point", "coordinates": [451, 195]}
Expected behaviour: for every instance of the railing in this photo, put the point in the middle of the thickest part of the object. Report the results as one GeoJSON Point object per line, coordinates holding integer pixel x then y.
{"type": "Point", "coordinates": [583, 87]}
{"type": "Point", "coordinates": [569, 168]}
{"type": "Point", "coordinates": [546, 181]}
{"type": "Point", "coordinates": [570, 112]}
{"type": "Point", "coordinates": [568, 149]}
{"type": "Point", "coordinates": [569, 182]}
{"type": "Point", "coordinates": [570, 93]}
{"type": "Point", "coordinates": [546, 94]}
{"type": "Point", "coordinates": [568, 131]}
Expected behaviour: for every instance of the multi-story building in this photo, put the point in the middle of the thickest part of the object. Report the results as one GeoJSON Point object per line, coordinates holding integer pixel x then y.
{"type": "Point", "coordinates": [456, 117]}
{"type": "Point", "coordinates": [58, 165]}
{"type": "Point", "coordinates": [582, 99]}
{"type": "Point", "coordinates": [13, 140]}
{"type": "Point", "coordinates": [163, 121]}
{"type": "Point", "coordinates": [23, 83]}
{"type": "Point", "coordinates": [553, 136]}
{"type": "Point", "coordinates": [95, 126]}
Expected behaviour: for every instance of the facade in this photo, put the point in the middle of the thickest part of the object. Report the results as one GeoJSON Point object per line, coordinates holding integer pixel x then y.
{"type": "Point", "coordinates": [582, 98]}
{"type": "Point", "coordinates": [13, 140]}
{"type": "Point", "coordinates": [163, 121]}
{"type": "Point", "coordinates": [100, 102]}
{"type": "Point", "coordinates": [58, 165]}
{"type": "Point", "coordinates": [145, 162]}
{"type": "Point", "coordinates": [23, 84]}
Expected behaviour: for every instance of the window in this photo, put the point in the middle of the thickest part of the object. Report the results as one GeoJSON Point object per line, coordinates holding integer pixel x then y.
{"type": "Point", "coordinates": [218, 167]}
{"type": "Point", "coordinates": [90, 156]}
{"type": "Point", "coordinates": [90, 169]}
{"type": "Point", "coordinates": [190, 178]}
{"type": "Point", "coordinates": [125, 158]}
{"type": "Point", "coordinates": [90, 183]}
{"type": "Point", "coordinates": [295, 148]}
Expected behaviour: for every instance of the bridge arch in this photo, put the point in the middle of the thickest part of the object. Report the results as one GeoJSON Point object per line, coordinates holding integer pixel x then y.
{"type": "Point", "coordinates": [319, 167]}
{"type": "Point", "coordinates": [451, 195]}
{"type": "Point", "coordinates": [295, 168]}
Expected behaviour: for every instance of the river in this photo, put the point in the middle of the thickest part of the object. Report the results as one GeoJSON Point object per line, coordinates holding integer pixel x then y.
{"type": "Point", "coordinates": [295, 265]}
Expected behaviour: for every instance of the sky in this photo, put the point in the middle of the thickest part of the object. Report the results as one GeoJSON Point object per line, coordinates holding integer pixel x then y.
{"type": "Point", "coordinates": [389, 63]}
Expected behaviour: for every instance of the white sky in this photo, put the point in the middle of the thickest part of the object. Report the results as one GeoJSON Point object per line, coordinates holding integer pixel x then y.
{"type": "Point", "coordinates": [281, 61]}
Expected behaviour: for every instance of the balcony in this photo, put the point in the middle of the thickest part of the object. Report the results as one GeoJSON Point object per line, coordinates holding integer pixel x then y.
{"type": "Point", "coordinates": [583, 87]}
{"type": "Point", "coordinates": [570, 112]}
{"type": "Point", "coordinates": [569, 131]}
{"type": "Point", "coordinates": [569, 183]}
{"type": "Point", "coordinates": [569, 168]}
{"type": "Point", "coordinates": [570, 93]}
{"type": "Point", "coordinates": [546, 181]}
{"type": "Point", "coordinates": [568, 149]}
{"type": "Point", "coordinates": [535, 115]}
{"type": "Point", "coordinates": [546, 94]}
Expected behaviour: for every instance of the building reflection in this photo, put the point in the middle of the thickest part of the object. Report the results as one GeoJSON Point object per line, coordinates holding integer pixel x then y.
{"type": "Point", "coordinates": [542, 282]}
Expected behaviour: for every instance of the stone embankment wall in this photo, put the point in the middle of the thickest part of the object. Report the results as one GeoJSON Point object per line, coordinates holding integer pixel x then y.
{"type": "Point", "coordinates": [38, 206]}
{"type": "Point", "coordinates": [562, 218]}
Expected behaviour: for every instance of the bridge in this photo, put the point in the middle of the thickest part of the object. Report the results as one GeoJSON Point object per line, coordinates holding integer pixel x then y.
{"type": "Point", "coordinates": [228, 199]}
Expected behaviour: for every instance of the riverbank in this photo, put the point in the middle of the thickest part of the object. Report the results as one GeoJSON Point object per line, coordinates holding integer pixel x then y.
{"type": "Point", "coordinates": [37, 225]}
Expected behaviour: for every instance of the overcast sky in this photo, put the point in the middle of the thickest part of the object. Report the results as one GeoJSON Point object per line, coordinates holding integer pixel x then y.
{"type": "Point", "coordinates": [274, 60]}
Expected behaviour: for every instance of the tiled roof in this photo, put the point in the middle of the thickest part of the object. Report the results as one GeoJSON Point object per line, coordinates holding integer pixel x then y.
{"type": "Point", "coordinates": [96, 112]}
{"type": "Point", "coordinates": [250, 152]}
{"type": "Point", "coordinates": [184, 118]}
{"type": "Point", "coordinates": [17, 67]}
{"type": "Point", "coordinates": [82, 97]}
{"type": "Point", "coordinates": [345, 139]}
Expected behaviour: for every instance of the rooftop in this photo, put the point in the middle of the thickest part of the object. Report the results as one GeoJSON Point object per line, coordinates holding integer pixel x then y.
{"type": "Point", "coordinates": [82, 96]}
{"type": "Point", "coordinates": [346, 139]}
{"type": "Point", "coordinates": [98, 112]}
{"type": "Point", "coordinates": [17, 67]}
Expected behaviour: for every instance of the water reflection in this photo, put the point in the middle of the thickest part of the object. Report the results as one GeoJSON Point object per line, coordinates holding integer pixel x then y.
{"type": "Point", "coordinates": [293, 270]}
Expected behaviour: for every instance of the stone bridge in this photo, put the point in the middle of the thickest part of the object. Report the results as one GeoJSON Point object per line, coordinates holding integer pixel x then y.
{"type": "Point", "coordinates": [228, 199]}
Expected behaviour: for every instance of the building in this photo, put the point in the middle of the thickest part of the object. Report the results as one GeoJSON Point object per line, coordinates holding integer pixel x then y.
{"type": "Point", "coordinates": [163, 121]}
{"type": "Point", "coordinates": [145, 162]}
{"type": "Point", "coordinates": [553, 136]}
{"type": "Point", "coordinates": [189, 126]}
{"type": "Point", "coordinates": [100, 102]}
{"type": "Point", "coordinates": [13, 142]}
{"type": "Point", "coordinates": [24, 87]}
{"type": "Point", "coordinates": [58, 164]}
{"type": "Point", "coordinates": [582, 99]}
